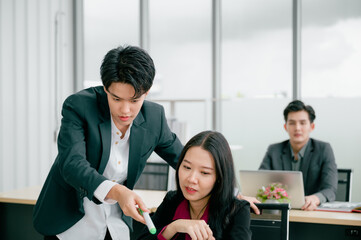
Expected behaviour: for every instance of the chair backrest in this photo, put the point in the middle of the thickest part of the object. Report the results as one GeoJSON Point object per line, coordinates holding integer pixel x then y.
{"type": "Point", "coordinates": [344, 185]}
{"type": "Point", "coordinates": [271, 225]}
{"type": "Point", "coordinates": [154, 176]}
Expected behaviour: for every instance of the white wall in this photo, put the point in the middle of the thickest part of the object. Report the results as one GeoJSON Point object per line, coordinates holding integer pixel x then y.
{"type": "Point", "coordinates": [36, 42]}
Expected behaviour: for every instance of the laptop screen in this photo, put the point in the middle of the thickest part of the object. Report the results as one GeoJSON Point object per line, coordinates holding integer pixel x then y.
{"type": "Point", "coordinates": [292, 182]}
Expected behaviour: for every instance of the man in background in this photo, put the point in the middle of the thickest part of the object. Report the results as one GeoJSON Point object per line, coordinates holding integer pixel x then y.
{"type": "Point", "coordinates": [314, 158]}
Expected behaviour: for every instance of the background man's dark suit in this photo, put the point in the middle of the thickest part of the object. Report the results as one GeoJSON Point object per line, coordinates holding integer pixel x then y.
{"type": "Point", "coordinates": [83, 152]}
{"type": "Point", "coordinates": [318, 166]}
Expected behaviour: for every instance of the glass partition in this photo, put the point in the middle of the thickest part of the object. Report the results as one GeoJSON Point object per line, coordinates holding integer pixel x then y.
{"type": "Point", "coordinates": [256, 76]}
{"type": "Point", "coordinates": [107, 24]}
{"type": "Point", "coordinates": [180, 44]}
{"type": "Point", "coordinates": [331, 57]}
{"type": "Point", "coordinates": [331, 48]}
{"type": "Point", "coordinates": [256, 49]}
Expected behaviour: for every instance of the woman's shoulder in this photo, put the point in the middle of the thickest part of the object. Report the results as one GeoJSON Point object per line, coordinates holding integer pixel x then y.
{"type": "Point", "coordinates": [241, 202]}
{"type": "Point", "coordinates": [241, 205]}
{"type": "Point", "coordinates": [238, 221]}
{"type": "Point", "coordinates": [170, 195]}
{"type": "Point", "coordinates": [173, 196]}
{"type": "Point", "coordinates": [235, 209]}
{"type": "Point", "coordinates": [171, 200]}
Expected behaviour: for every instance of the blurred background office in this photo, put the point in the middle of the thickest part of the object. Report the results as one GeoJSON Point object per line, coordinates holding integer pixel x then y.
{"type": "Point", "coordinates": [230, 65]}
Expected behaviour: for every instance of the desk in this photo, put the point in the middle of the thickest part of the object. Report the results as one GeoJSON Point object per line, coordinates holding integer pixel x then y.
{"type": "Point", "coordinates": [22, 196]}
{"type": "Point", "coordinates": [334, 218]}
{"type": "Point", "coordinates": [324, 225]}
{"type": "Point", "coordinates": [16, 210]}
{"type": "Point", "coordinates": [16, 214]}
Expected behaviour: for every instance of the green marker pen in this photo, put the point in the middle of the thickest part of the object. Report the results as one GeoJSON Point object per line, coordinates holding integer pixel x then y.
{"type": "Point", "coordinates": [148, 221]}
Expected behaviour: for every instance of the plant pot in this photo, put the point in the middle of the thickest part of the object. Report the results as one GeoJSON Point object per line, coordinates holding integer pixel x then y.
{"type": "Point", "coordinates": [271, 211]}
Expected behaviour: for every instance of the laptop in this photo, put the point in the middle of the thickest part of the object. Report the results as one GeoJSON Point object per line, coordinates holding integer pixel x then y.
{"type": "Point", "coordinates": [252, 180]}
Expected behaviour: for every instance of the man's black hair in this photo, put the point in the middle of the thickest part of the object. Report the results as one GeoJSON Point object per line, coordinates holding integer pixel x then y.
{"type": "Point", "coordinates": [130, 65]}
{"type": "Point", "coordinates": [298, 105]}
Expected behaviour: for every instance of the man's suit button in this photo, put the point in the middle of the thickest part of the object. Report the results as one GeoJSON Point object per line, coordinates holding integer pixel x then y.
{"type": "Point", "coordinates": [82, 192]}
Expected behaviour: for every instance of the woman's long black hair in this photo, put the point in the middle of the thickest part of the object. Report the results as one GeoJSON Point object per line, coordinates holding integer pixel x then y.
{"type": "Point", "coordinates": [222, 200]}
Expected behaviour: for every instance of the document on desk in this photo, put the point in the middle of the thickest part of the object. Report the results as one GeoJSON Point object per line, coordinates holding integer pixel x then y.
{"type": "Point", "coordinates": [337, 206]}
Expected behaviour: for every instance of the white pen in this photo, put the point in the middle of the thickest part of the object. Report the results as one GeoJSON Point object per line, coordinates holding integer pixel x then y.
{"type": "Point", "coordinates": [148, 221]}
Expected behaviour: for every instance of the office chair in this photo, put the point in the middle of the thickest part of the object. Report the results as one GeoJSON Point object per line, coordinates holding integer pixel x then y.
{"type": "Point", "coordinates": [154, 176]}
{"type": "Point", "coordinates": [270, 226]}
{"type": "Point", "coordinates": [344, 185]}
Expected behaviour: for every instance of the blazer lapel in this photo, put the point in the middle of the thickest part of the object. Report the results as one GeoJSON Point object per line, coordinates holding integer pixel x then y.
{"type": "Point", "coordinates": [104, 129]}
{"type": "Point", "coordinates": [286, 157]}
{"type": "Point", "coordinates": [105, 132]}
{"type": "Point", "coordinates": [136, 139]}
{"type": "Point", "coordinates": [306, 161]}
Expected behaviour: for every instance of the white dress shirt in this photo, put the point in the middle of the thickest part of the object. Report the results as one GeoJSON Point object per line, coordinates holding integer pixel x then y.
{"type": "Point", "coordinates": [98, 218]}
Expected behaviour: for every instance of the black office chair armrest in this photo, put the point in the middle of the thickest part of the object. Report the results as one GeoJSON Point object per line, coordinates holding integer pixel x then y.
{"type": "Point", "coordinates": [279, 206]}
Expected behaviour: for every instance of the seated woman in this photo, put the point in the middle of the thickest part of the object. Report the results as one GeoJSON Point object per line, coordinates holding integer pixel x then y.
{"type": "Point", "coordinates": [204, 205]}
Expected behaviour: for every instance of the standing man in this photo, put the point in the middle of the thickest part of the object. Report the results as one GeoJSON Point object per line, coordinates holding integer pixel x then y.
{"type": "Point", "coordinates": [107, 134]}
{"type": "Point", "coordinates": [313, 158]}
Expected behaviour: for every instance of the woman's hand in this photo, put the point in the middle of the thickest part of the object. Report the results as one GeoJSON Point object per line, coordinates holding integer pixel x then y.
{"type": "Point", "coordinates": [196, 229]}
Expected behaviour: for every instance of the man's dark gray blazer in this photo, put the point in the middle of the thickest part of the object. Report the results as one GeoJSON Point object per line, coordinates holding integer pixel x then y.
{"type": "Point", "coordinates": [318, 166]}
{"type": "Point", "coordinates": [83, 151]}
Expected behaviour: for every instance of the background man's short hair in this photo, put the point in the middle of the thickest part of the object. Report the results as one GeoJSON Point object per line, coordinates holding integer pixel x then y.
{"type": "Point", "coordinates": [298, 105]}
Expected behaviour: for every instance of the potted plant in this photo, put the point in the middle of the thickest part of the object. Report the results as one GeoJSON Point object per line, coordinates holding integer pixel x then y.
{"type": "Point", "coordinates": [274, 192]}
